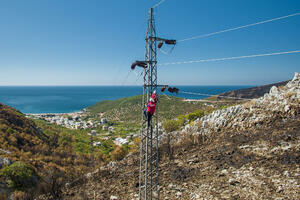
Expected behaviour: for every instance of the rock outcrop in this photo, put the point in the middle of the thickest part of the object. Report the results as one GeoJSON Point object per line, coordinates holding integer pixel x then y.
{"type": "Point", "coordinates": [283, 102]}
{"type": "Point", "coordinates": [4, 162]}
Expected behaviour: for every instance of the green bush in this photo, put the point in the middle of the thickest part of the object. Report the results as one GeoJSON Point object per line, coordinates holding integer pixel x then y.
{"type": "Point", "coordinates": [181, 120]}
{"type": "Point", "coordinates": [194, 115]}
{"type": "Point", "coordinates": [171, 125]}
{"type": "Point", "coordinates": [107, 147]}
{"type": "Point", "coordinates": [21, 176]}
{"type": "Point", "coordinates": [65, 139]}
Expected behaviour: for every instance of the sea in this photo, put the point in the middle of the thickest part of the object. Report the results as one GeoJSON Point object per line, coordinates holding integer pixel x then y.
{"type": "Point", "coordinates": [66, 99]}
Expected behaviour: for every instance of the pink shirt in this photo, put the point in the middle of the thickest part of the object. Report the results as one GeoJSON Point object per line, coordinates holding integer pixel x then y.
{"type": "Point", "coordinates": [151, 107]}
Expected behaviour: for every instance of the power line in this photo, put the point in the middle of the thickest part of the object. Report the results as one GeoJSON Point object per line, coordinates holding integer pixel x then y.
{"type": "Point", "coordinates": [212, 95]}
{"type": "Point", "coordinates": [208, 101]}
{"type": "Point", "coordinates": [230, 58]}
{"type": "Point", "coordinates": [239, 27]}
{"type": "Point", "coordinates": [156, 5]}
{"type": "Point", "coordinates": [126, 77]}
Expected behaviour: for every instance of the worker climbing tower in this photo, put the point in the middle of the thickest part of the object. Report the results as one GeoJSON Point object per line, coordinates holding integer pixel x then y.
{"type": "Point", "coordinates": [149, 175]}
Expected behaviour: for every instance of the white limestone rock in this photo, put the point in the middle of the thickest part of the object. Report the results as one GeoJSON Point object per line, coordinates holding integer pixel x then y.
{"type": "Point", "coordinates": [113, 197]}
{"type": "Point", "coordinates": [4, 162]}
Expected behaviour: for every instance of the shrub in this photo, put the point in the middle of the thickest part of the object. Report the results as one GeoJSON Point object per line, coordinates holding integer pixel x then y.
{"type": "Point", "coordinates": [181, 119]}
{"type": "Point", "coordinates": [171, 125]}
{"type": "Point", "coordinates": [194, 115]}
{"type": "Point", "coordinates": [118, 154]}
{"type": "Point", "coordinates": [65, 139]}
{"type": "Point", "coordinates": [135, 146]}
{"type": "Point", "coordinates": [209, 110]}
{"type": "Point", "coordinates": [21, 176]}
{"type": "Point", "coordinates": [174, 125]}
{"type": "Point", "coordinates": [53, 180]}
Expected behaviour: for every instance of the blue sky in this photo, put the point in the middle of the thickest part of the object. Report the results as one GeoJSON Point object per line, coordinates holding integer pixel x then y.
{"type": "Point", "coordinates": [77, 42]}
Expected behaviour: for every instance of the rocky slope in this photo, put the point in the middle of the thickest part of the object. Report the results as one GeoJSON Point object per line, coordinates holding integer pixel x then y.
{"type": "Point", "coordinates": [248, 151]}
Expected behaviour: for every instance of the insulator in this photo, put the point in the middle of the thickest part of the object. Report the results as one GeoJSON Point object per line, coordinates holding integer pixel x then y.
{"type": "Point", "coordinates": [163, 88]}
{"type": "Point", "coordinates": [173, 89]}
{"type": "Point", "coordinates": [170, 42]}
{"type": "Point", "coordinates": [160, 44]}
{"type": "Point", "coordinates": [139, 64]}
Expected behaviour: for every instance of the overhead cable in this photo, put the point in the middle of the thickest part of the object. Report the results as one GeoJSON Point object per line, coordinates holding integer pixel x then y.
{"type": "Point", "coordinates": [214, 95]}
{"type": "Point", "coordinates": [126, 77]}
{"type": "Point", "coordinates": [156, 5]}
{"type": "Point", "coordinates": [230, 58]}
{"type": "Point", "coordinates": [239, 27]}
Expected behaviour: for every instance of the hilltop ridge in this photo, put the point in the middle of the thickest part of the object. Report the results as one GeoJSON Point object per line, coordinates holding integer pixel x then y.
{"type": "Point", "coordinates": [253, 92]}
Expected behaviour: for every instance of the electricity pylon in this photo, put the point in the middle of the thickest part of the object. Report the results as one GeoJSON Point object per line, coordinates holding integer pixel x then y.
{"type": "Point", "coordinates": [149, 157]}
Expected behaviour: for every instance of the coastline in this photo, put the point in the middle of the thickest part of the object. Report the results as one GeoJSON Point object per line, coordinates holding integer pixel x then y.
{"type": "Point", "coordinates": [38, 114]}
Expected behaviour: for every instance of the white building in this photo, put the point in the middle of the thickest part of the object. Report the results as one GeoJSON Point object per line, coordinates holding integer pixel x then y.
{"type": "Point", "coordinates": [111, 129]}
{"type": "Point", "coordinates": [93, 133]}
{"type": "Point", "coordinates": [120, 141]}
{"type": "Point", "coordinates": [97, 144]}
{"type": "Point", "coordinates": [103, 121]}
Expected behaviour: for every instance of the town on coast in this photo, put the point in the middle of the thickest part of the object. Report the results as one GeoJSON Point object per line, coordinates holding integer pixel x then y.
{"type": "Point", "coordinates": [82, 120]}
{"type": "Point", "coordinates": [73, 120]}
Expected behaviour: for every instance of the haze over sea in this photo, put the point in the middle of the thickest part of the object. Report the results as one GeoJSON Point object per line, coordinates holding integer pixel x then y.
{"type": "Point", "coordinates": [65, 99]}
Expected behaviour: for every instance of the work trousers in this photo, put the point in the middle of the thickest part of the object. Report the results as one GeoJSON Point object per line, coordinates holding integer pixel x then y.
{"type": "Point", "coordinates": [148, 116]}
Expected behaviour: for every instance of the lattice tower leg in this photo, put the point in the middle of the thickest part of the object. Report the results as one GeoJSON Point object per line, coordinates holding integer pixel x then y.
{"type": "Point", "coordinates": [149, 157]}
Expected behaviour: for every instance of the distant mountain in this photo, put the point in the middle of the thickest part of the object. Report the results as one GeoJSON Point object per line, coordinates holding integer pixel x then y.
{"type": "Point", "coordinates": [250, 93]}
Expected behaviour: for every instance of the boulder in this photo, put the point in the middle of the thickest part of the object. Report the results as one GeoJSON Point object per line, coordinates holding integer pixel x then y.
{"type": "Point", "coordinates": [113, 197]}
{"type": "Point", "coordinates": [4, 162]}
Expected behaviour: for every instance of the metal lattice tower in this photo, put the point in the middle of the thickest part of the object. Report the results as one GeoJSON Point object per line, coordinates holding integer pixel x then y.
{"type": "Point", "coordinates": [149, 158]}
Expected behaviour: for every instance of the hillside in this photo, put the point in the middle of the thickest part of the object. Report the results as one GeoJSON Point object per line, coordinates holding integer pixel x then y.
{"type": "Point", "coordinates": [38, 159]}
{"type": "Point", "coordinates": [18, 132]}
{"type": "Point", "coordinates": [253, 92]}
{"type": "Point", "coordinates": [129, 109]}
{"type": "Point", "coordinates": [248, 151]}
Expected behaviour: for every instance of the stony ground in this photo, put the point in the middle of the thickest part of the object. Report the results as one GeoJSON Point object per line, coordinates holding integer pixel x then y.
{"type": "Point", "coordinates": [249, 151]}
{"type": "Point", "coordinates": [260, 163]}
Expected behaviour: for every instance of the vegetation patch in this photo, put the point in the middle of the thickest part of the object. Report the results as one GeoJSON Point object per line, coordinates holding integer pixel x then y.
{"type": "Point", "coordinates": [20, 176]}
{"type": "Point", "coordinates": [129, 109]}
{"type": "Point", "coordinates": [181, 120]}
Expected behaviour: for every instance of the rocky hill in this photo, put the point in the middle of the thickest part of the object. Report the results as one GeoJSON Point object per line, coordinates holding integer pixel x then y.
{"type": "Point", "coordinates": [248, 151]}
{"type": "Point", "coordinates": [253, 92]}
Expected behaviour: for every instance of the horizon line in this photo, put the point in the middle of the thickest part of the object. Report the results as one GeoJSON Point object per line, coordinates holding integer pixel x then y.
{"type": "Point", "coordinates": [127, 85]}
